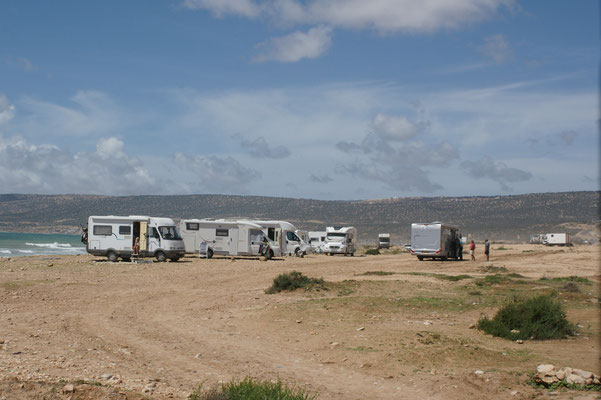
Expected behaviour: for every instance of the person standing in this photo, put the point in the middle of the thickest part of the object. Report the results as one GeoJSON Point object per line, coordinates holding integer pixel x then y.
{"type": "Point", "coordinates": [487, 249]}
{"type": "Point", "coordinates": [473, 250]}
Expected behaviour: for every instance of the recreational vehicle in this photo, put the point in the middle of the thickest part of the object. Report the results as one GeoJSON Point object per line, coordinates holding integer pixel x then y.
{"type": "Point", "coordinates": [115, 236]}
{"type": "Point", "coordinates": [384, 240]}
{"type": "Point", "coordinates": [284, 234]}
{"type": "Point", "coordinates": [340, 240]}
{"type": "Point", "coordinates": [317, 240]}
{"type": "Point", "coordinates": [557, 239]}
{"type": "Point", "coordinates": [536, 238]}
{"type": "Point", "coordinates": [232, 238]}
{"type": "Point", "coordinates": [434, 240]}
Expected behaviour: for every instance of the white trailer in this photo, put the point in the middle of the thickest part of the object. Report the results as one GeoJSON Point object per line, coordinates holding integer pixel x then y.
{"type": "Point", "coordinates": [340, 240]}
{"type": "Point", "coordinates": [557, 239]}
{"type": "Point", "coordinates": [317, 239]}
{"type": "Point", "coordinates": [285, 235]}
{"type": "Point", "coordinates": [116, 236]}
{"type": "Point", "coordinates": [384, 240]}
{"type": "Point", "coordinates": [224, 237]}
{"type": "Point", "coordinates": [435, 240]}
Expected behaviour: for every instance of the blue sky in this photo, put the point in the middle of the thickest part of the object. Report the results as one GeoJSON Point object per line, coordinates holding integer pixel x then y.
{"type": "Point", "coordinates": [325, 99]}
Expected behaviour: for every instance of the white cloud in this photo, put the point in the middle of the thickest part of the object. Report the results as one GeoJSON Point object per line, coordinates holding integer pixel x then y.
{"type": "Point", "coordinates": [93, 114]}
{"type": "Point", "coordinates": [381, 15]}
{"type": "Point", "coordinates": [496, 47]}
{"type": "Point", "coordinates": [487, 168]}
{"type": "Point", "coordinates": [7, 110]}
{"type": "Point", "coordinates": [29, 168]}
{"type": "Point", "coordinates": [296, 46]}
{"type": "Point", "coordinates": [393, 127]}
{"type": "Point", "coordinates": [245, 8]}
{"type": "Point", "coordinates": [214, 173]}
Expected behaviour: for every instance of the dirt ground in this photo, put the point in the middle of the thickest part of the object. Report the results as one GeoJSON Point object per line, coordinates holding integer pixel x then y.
{"type": "Point", "coordinates": [388, 327]}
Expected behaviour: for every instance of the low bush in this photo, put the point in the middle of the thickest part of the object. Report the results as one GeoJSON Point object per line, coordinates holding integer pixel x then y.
{"type": "Point", "coordinates": [251, 389]}
{"type": "Point", "coordinates": [540, 317]}
{"type": "Point", "coordinates": [378, 273]}
{"type": "Point", "coordinates": [294, 280]}
{"type": "Point", "coordinates": [372, 252]}
{"type": "Point", "coordinates": [573, 278]}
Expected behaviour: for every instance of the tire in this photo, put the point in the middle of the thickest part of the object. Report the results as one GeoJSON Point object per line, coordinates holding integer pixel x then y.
{"type": "Point", "coordinates": [420, 258]}
{"type": "Point", "coordinates": [209, 253]}
{"type": "Point", "coordinates": [174, 259]}
{"type": "Point", "coordinates": [444, 258]}
{"type": "Point", "coordinates": [269, 255]}
{"type": "Point", "coordinates": [297, 252]}
{"type": "Point", "coordinates": [353, 254]}
{"type": "Point", "coordinates": [160, 256]}
{"type": "Point", "coordinates": [112, 256]}
{"type": "Point", "coordinates": [126, 259]}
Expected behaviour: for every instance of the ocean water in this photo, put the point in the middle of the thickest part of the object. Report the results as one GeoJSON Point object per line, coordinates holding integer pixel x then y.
{"type": "Point", "coordinates": [32, 244]}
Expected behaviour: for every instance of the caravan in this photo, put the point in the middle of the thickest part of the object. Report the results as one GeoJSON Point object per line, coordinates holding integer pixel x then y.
{"type": "Point", "coordinates": [284, 234]}
{"type": "Point", "coordinates": [384, 241]}
{"type": "Point", "coordinates": [224, 237]}
{"type": "Point", "coordinates": [317, 239]}
{"type": "Point", "coordinates": [340, 240]}
{"type": "Point", "coordinates": [114, 236]}
{"type": "Point", "coordinates": [435, 240]}
{"type": "Point", "coordinates": [557, 239]}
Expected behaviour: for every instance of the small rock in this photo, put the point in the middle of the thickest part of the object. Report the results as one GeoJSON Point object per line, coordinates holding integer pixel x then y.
{"type": "Point", "coordinates": [365, 365]}
{"type": "Point", "coordinates": [197, 355]}
{"type": "Point", "coordinates": [298, 321]}
{"type": "Point", "coordinates": [478, 373]}
{"type": "Point", "coordinates": [106, 377]}
{"type": "Point", "coordinates": [519, 341]}
{"type": "Point", "coordinates": [68, 388]}
{"type": "Point", "coordinates": [584, 374]}
{"type": "Point", "coordinates": [515, 331]}
{"type": "Point", "coordinates": [334, 344]}
{"type": "Point", "coordinates": [427, 322]}
{"type": "Point", "coordinates": [514, 393]}
{"type": "Point", "coordinates": [361, 329]}
{"type": "Point", "coordinates": [471, 326]}
{"type": "Point", "coordinates": [552, 393]}
{"type": "Point", "coordinates": [561, 374]}
{"type": "Point", "coordinates": [575, 379]}
{"type": "Point", "coordinates": [548, 379]}
{"type": "Point", "coordinates": [50, 265]}
{"type": "Point", "coordinates": [544, 368]}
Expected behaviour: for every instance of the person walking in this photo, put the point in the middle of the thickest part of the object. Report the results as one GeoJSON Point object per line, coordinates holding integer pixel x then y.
{"type": "Point", "coordinates": [473, 250]}
{"type": "Point", "coordinates": [487, 249]}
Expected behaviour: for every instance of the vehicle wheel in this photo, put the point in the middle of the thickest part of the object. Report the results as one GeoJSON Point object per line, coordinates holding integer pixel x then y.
{"type": "Point", "coordinates": [444, 258]}
{"type": "Point", "coordinates": [269, 255]}
{"type": "Point", "coordinates": [161, 257]}
{"type": "Point", "coordinates": [174, 259]}
{"type": "Point", "coordinates": [112, 256]}
{"type": "Point", "coordinates": [297, 252]}
{"type": "Point", "coordinates": [352, 254]}
{"type": "Point", "coordinates": [126, 259]}
{"type": "Point", "coordinates": [210, 253]}
{"type": "Point", "coordinates": [420, 258]}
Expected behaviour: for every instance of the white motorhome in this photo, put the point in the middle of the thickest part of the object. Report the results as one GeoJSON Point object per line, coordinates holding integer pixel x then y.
{"type": "Point", "coordinates": [317, 240]}
{"type": "Point", "coordinates": [384, 240]}
{"type": "Point", "coordinates": [224, 237]}
{"type": "Point", "coordinates": [434, 240]}
{"type": "Point", "coordinates": [285, 235]}
{"type": "Point", "coordinates": [116, 236]}
{"type": "Point", "coordinates": [557, 239]}
{"type": "Point", "coordinates": [340, 240]}
{"type": "Point", "coordinates": [536, 238]}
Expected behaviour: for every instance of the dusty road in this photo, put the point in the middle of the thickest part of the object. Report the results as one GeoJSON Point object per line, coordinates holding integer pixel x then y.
{"type": "Point", "coordinates": [161, 329]}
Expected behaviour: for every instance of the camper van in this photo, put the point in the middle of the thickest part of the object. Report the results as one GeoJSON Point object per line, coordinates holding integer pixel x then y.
{"type": "Point", "coordinates": [557, 239]}
{"type": "Point", "coordinates": [224, 237]}
{"type": "Point", "coordinates": [384, 240]}
{"type": "Point", "coordinates": [340, 240]}
{"type": "Point", "coordinates": [115, 236]}
{"type": "Point", "coordinates": [284, 234]}
{"type": "Point", "coordinates": [317, 240]}
{"type": "Point", "coordinates": [434, 240]}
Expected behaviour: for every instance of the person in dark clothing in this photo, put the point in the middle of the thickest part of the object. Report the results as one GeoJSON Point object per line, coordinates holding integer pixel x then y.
{"type": "Point", "coordinates": [487, 249]}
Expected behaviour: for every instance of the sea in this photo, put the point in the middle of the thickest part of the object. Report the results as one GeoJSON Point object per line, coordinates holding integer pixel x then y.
{"type": "Point", "coordinates": [33, 244]}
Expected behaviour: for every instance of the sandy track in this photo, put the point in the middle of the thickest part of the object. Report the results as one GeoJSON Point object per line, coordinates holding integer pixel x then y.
{"type": "Point", "coordinates": [175, 325]}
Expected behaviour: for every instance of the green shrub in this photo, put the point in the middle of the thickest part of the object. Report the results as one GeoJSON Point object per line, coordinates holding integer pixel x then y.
{"type": "Point", "coordinates": [452, 278]}
{"type": "Point", "coordinates": [251, 389]}
{"type": "Point", "coordinates": [493, 280]}
{"type": "Point", "coordinates": [378, 273]}
{"type": "Point", "coordinates": [372, 252]}
{"type": "Point", "coordinates": [294, 280]}
{"type": "Point", "coordinates": [540, 317]}
{"type": "Point", "coordinates": [573, 278]}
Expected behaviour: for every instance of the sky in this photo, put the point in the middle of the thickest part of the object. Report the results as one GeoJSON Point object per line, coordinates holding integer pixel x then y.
{"type": "Point", "coordinates": [320, 99]}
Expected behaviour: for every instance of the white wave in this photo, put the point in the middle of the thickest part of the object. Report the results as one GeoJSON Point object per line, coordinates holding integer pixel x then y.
{"type": "Point", "coordinates": [54, 245]}
{"type": "Point", "coordinates": [25, 251]}
{"type": "Point", "coordinates": [5, 251]}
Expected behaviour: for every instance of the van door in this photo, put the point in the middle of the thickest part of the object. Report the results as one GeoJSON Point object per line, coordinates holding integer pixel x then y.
{"type": "Point", "coordinates": [256, 237]}
{"type": "Point", "coordinates": [233, 241]}
{"type": "Point", "coordinates": [143, 236]}
{"type": "Point", "coordinates": [154, 240]}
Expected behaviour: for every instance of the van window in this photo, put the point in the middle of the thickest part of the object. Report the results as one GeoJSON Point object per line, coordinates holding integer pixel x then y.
{"type": "Point", "coordinates": [256, 236]}
{"type": "Point", "coordinates": [124, 230]}
{"type": "Point", "coordinates": [192, 226]}
{"type": "Point", "coordinates": [222, 232]}
{"type": "Point", "coordinates": [103, 230]}
{"type": "Point", "coordinates": [169, 233]}
{"type": "Point", "coordinates": [153, 233]}
{"type": "Point", "coordinates": [292, 236]}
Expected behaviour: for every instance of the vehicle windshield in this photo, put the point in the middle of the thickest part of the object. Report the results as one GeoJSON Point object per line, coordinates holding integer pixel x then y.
{"type": "Point", "coordinates": [169, 233]}
{"type": "Point", "coordinates": [384, 239]}
{"type": "Point", "coordinates": [335, 236]}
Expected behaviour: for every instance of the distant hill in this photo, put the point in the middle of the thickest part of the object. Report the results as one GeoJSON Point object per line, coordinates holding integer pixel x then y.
{"type": "Point", "coordinates": [509, 218]}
